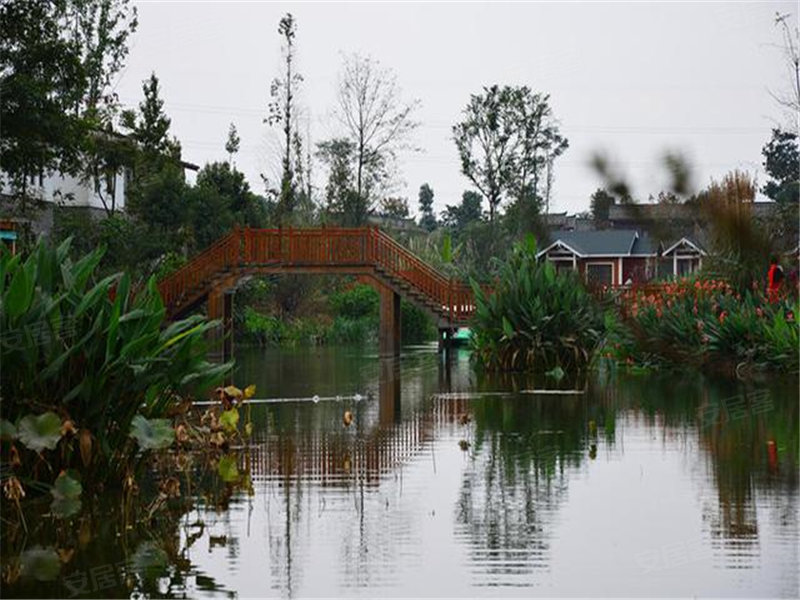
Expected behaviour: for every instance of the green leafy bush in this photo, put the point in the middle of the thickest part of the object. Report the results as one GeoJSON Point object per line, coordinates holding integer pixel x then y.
{"type": "Point", "coordinates": [265, 330]}
{"type": "Point", "coordinates": [345, 330]}
{"type": "Point", "coordinates": [416, 325]}
{"type": "Point", "coordinates": [82, 358]}
{"type": "Point", "coordinates": [353, 319]}
{"type": "Point", "coordinates": [534, 319]}
{"type": "Point", "coordinates": [705, 323]}
{"type": "Point", "coordinates": [357, 301]}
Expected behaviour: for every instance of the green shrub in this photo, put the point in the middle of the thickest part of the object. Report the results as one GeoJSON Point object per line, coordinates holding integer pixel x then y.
{"type": "Point", "coordinates": [416, 325]}
{"type": "Point", "coordinates": [345, 330]}
{"type": "Point", "coordinates": [92, 353]}
{"type": "Point", "coordinates": [358, 301]}
{"type": "Point", "coordinates": [265, 330]}
{"type": "Point", "coordinates": [535, 319]}
{"type": "Point", "coordinates": [354, 320]}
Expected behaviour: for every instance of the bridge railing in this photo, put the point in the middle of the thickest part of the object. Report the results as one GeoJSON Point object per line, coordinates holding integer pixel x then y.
{"type": "Point", "coordinates": [305, 247]}
{"type": "Point", "coordinates": [221, 256]}
{"type": "Point", "coordinates": [456, 299]}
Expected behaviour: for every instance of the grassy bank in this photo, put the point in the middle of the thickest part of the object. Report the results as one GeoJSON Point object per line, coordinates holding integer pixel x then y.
{"type": "Point", "coordinates": [343, 313]}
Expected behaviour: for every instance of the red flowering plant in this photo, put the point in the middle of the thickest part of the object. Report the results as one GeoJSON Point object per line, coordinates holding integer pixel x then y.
{"type": "Point", "coordinates": [703, 322]}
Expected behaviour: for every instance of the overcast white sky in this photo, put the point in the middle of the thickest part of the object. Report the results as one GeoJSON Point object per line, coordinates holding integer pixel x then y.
{"type": "Point", "coordinates": [632, 79]}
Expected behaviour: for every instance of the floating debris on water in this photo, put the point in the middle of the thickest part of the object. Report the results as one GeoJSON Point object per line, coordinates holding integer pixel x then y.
{"type": "Point", "coordinates": [555, 392]}
{"type": "Point", "coordinates": [315, 399]}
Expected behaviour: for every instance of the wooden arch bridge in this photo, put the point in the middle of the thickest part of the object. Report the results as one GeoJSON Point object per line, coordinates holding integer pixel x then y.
{"type": "Point", "coordinates": [212, 276]}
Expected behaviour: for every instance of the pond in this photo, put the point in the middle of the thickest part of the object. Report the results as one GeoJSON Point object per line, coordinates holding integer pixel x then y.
{"type": "Point", "coordinates": [447, 483]}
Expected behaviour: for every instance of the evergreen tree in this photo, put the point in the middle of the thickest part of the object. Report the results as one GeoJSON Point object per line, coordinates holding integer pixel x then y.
{"type": "Point", "coordinates": [232, 144]}
{"type": "Point", "coordinates": [428, 220]}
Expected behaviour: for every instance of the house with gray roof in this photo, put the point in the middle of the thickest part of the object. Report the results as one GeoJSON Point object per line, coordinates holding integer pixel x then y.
{"type": "Point", "coordinates": [620, 256]}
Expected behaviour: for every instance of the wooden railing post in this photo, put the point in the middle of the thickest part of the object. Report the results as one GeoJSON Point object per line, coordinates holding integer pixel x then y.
{"type": "Point", "coordinates": [450, 299]}
{"type": "Point", "coordinates": [248, 242]}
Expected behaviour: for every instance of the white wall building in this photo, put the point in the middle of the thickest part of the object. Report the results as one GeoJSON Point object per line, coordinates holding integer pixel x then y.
{"type": "Point", "coordinates": [71, 191]}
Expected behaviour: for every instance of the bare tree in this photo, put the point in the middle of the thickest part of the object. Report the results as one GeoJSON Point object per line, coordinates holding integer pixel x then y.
{"type": "Point", "coordinates": [282, 111]}
{"type": "Point", "coordinates": [375, 119]}
{"type": "Point", "coordinates": [790, 46]}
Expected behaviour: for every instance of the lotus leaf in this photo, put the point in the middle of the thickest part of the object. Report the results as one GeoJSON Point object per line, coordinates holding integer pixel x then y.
{"type": "Point", "coordinates": [40, 433]}
{"type": "Point", "coordinates": [152, 434]}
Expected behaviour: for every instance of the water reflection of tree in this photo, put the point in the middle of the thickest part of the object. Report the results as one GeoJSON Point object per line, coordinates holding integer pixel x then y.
{"type": "Point", "coordinates": [524, 450]}
{"type": "Point", "coordinates": [97, 553]}
{"type": "Point", "coordinates": [736, 425]}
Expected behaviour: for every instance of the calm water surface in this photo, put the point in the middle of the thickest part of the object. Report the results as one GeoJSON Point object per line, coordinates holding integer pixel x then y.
{"type": "Point", "coordinates": [450, 484]}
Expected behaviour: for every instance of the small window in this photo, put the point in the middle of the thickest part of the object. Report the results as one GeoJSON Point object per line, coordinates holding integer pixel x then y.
{"type": "Point", "coordinates": [599, 274]}
{"type": "Point", "coordinates": [685, 266]}
{"type": "Point", "coordinates": [563, 266]}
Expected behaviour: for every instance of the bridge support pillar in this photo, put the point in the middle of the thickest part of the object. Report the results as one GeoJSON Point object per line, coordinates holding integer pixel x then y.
{"type": "Point", "coordinates": [389, 392]}
{"type": "Point", "coordinates": [389, 335]}
{"type": "Point", "coordinates": [445, 339]}
{"type": "Point", "coordinates": [220, 306]}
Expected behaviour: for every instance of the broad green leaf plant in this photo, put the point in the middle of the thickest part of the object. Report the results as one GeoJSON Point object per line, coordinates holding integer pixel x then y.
{"type": "Point", "coordinates": [535, 319]}
{"type": "Point", "coordinates": [82, 358]}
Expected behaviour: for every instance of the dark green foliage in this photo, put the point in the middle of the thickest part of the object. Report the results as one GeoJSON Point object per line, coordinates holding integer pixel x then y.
{"type": "Point", "coordinates": [58, 59]}
{"type": "Point", "coordinates": [228, 182]}
{"type": "Point", "coordinates": [344, 205]}
{"type": "Point", "coordinates": [209, 214]}
{"type": "Point", "coordinates": [356, 302]}
{"type": "Point", "coordinates": [395, 208]}
{"type": "Point", "coordinates": [150, 129]}
{"type": "Point", "coordinates": [232, 143]}
{"type": "Point", "coordinates": [535, 320]}
{"type": "Point", "coordinates": [416, 325]}
{"type": "Point", "coordinates": [265, 330]}
{"type": "Point", "coordinates": [93, 353]}
{"type": "Point", "coordinates": [43, 80]}
{"type": "Point", "coordinates": [427, 219]}
{"type": "Point", "coordinates": [221, 199]}
{"type": "Point", "coordinates": [507, 143]}
{"type": "Point", "coordinates": [781, 160]}
{"type": "Point", "coordinates": [459, 217]}
{"type": "Point", "coordinates": [600, 202]}
{"type": "Point", "coordinates": [337, 155]}
{"type": "Point", "coordinates": [157, 200]}
{"type": "Point", "coordinates": [482, 247]}
{"type": "Point", "coordinates": [130, 245]}
{"type": "Point", "coordinates": [352, 318]}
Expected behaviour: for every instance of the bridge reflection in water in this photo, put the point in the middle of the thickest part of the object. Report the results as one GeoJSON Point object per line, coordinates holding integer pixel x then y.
{"type": "Point", "coordinates": [375, 445]}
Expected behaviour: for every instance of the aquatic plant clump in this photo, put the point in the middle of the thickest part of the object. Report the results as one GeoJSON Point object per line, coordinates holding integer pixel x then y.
{"type": "Point", "coordinates": [705, 323]}
{"type": "Point", "coordinates": [535, 319]}
{"type": "Point", "coordinates": [82, 359]}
